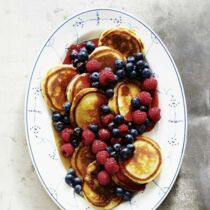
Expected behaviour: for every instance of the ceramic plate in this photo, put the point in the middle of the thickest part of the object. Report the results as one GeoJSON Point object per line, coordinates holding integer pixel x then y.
{"type": "Point", "coordinates": [170, 132]}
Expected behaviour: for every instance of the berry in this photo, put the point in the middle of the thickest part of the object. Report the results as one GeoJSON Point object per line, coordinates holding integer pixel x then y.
{"type": "Point", "coordinates": [87, 137]}
{"type": "Point", "coordinates": [123, 129]}
{"type": "Point", "coordinates": [116, 78]}
{"type": "Point", "coordinates": [102, 156]}
{"type": "Point", "coordinates": [119, 119]}
{"type": "Point", "coordinates": [93, 65]}
{"type": "Point", "coordinates": [119, 191]}
{"type": "Point", "coordinates": [150, 84]}
{"type": "Point", "coordinates": [145, 98]}
{"type": "Point", "coordinates": [59, 126]}
{"type": "Point", "coordinates": [115, 132]}
{"type": "Point", "coordinates": [121, 73]}
{"type": "Point", "coordinates": [111, 166]}
{"type": "Point", "coordinates": [67, 150]}
{"type": "Point", "coordinates": [134, 132]}
{"type": "Point", "coordinates": [140, 64]}
{"type": "Point", "coordinates": [75, 62]}
{"type": "Point", "coordinates": [133, 75]}
{"type": "Point", "coordinates": [75, 143]}
{"type": "Point", "coordinates": [131, 59]}
{"type": "Point", "coordinates": [109, 149]}
{"type": "Point", "coordinates": [98, 146]}
{"type": "Point", "coordinates": [73, 54]}
{"type": "Point", "coordinates": [140, 128]}
{"type": "Point", "coordinates": [103, 178]}
{"type": "Point", "coordinates": [71, 171]}
{"type": "Point", "coordinates": [139, 56]}
{"type": "Point", "coordinates": [154, 114]}
{"type": "Point", "coordinates": [111, 125]}
{"type": "Point", "coordinates": [146, 73]}
{"type": "Point", "coordinates": [139, 117]}
{"type": "Point", "coordinates": [78, 189]}
{"type": "Point", "coordinates": [130, 147]}
{"type": "Point", "coordinates": [82, 55]}
{"type": "Point", "coordinates": [105, 109]}
{"type": "Point", "coordinates": [81, 67]}
{"type": "Point", "coordinates": [119, 63]}
{"type": "Point", "coordinates": [135, 103]}
{"type": "Point", "coordinates": [77, 181]}
{"type": "Point", "coordinates": [93, 127]}
{"type": "Point", "coordinates": [56, 116]}
{"type": "Point", "coordinates": [129, 139]}
{"type": "Point", "coordinates": [69, 179]}
{"type": "Point", "coordinates": [84, 49]}
{"type": "Point", "coordinates": [106, 119]}
{"type": "Point", "coordinates": [109, 93]}
{"type": "Point", "coordinates": [77, 131]}
{"type": "Point", "coordinates": [130, 125]}
{"type": "Point", "coordinates": [104, 134]}
{"type": "Point", "coordinates": [66, 119]}
{"type": "Point", "coordinates": [95, 84]}
{"type": "Point", "coordinates": [94, 76]}
{"type": "Point", "coordinates": [67, 134]}
{"type": "Point", "coordinates": [113, 154]}
{"type": "Point", "coordinates": [143, 108]}
{"type": "Point", "coordinates": [90, 46]}
{"type": "Point", "coordinates": [67, 106]}
{"type": "Point", "coordinates": [117, 147]}
{"type": "Point", "coordinates": [125, 153]}
{"type": "Point", "coordinates": [127, 196]}
{"type": "Point", "coordinates": [148, 122]}
{"type": "Point", "coordinates": [129, 67]}
{"type": "Point", "coordinates": [116, 141]}
{"type": "Point", "coordinates": [106, 77]}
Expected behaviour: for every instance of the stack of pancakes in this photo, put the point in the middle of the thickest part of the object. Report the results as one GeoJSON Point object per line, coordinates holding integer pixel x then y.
{"type": "Point", "coordinates": [62, 83]}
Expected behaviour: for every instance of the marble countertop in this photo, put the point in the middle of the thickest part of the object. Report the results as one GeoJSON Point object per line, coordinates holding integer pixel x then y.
{"type": "Point", "coordinates": [183, 26]}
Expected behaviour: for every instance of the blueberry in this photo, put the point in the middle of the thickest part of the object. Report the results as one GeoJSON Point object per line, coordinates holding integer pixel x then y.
{"type": "Point", "coordinates": [129, 139]}
{"type": "Point", "coordinates": [134, 132]}
{"type": "Point", "coordinates": [56, 116]}
{"type": "Point", "coordinates": [130, 125]}
{"type": "Point", "coordinates": [69, 178]}
{"type": "Point", "coordinates": [146, 73]}
{"type": "Point", "coordinates": [117, 147]}
{"type": "Point", "coordinates": [121, 73]}
{"type": "Point", "coordinates": [75, 62]}
{"type": "Point", "coordinates": [119, 191]}
{"type": "Point", "coordinates": [95, 84]}
{"type": "Point", "coordinates": [109, 93]}
{"type": "Point", "coordinates": [78, 189]}
{"type": "Point", "coordinates": [146, 65]}
{"type": "Point", "coordinates": [71, 171]}
{"type": "Point", "coordinates": [105, 109]}
{"type": "Point", "coordinates": [129, 67]}
{"type": "Point", "coordinates": [93, 127]}
{"type": "Point", "coordinates": [119, 64]}
{"type": "Point", "coordinates": [81, 67]}
{"type": "Point", "coordinates": [109, 149]}
{"type": "Point", "coordinates": [127, 196]}
{"type": "Point", "coordinates": [82, 55]}
{"type": "Point", "coordinates": [66, 119]}
{"type": "Point", "coordinates": [140, 64]}
{"type": "Point", "coordinates": [140, 128]}
{"type": "Point", "coordinates": [135, 103]}
{"type": "Point", "coordinates": [75, 143]}
{"type": "Point", "coordinates": [139, 56]}
{"type": "Point", "coordinates": [90, 46]}
{"type": "Point", "coordinates": [133, 75]}
{"type": "Point", "coordinates": [131, 59]}
{"type": "Point", "coordinates": [115, 132]}
{"type": "Point", "coordinates": [83, 49]}
{"type": "Point", "coordinates": [125, 153]}
{"type": "Point", "coordinates": [148, 122]}
{"type": "Point", "coordinates": [111, 125]}
{"type": "Point", "coordinates": [143, 108]}
{"type": "Point", "coordinates": [130, 147]}
{"type": "Point", "coordinates": [113, 154]}
{"type": "Point", "coordinates": [116, 78]}
{"type": "Point", "coordinates": [94, 76]}
{"type": "Point", "coordinates": [59, 126]}
{"type": "Point", "coordinates": [77, 181]}
{"type": "Point", "coordinates": [77, 131]}
{"type": "Point", "coordinates": [67, 106]}
{"type": "Point", "coordinates": [73, 54]}
{"type": "Point", "coordinates": [119, 119]}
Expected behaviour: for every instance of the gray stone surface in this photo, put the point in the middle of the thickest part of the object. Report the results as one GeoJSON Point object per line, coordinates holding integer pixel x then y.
{"type": "Point", "coordinates": [183, 25]}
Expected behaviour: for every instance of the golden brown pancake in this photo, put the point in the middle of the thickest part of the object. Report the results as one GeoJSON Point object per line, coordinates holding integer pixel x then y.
{"type": "Point", "coordinates": [124, 40]}
{"type": "Point", "coordinates": [54, 86]}
{"type": "Point", "coordinates": [79, 82]}
{"type": "Point", "coordinates": [81, 158]}
{"type": "Point", "coordinates": [145, 164]}
{"type": "Point", "coordinates": [85, 107]}
{"type": "Point", "coordinates": [106, 56]}
{"type": "Point", "coordinates": [100, 197]}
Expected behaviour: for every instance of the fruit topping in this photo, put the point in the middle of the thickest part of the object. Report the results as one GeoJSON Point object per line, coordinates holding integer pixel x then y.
{"type": "Point", "coordinates": [98, 146]}
{"type": "Point", "coordinates": [103, 178]}
{"type": "Point", "coordinates": [150, 84]}
{"type": "Point", "coordinates": [87, 137]}
{"type": "Point", "coordinates": [145, 98]}
{"type": "Point", "coordinates": [102, 156]}
{"type": "Point", "coordinates": [90, 46]}
{"type": "Point", "coordinates": [154, 114]}
{"type": "Point", "coordinates": [111, 166]}
{"type": "Point", "coordinates": [106, 119]}
{"type": "Point", "coordinates": [93, 65]}
{"type": "Point", "coordinates": [106, 77]}
{"type": "Point", "coordinates": [139, 117]}
{"type": "Point", "coordinates": [67, 150]}
{"type": "Point", "coordinates": [104, 134]}
{"type": "Point", "coordinates": [67, 134]}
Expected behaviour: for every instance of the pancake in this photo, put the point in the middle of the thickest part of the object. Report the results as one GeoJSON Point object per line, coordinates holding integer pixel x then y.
{"type": "Point", "coordinates": [124, 40]}
{"type": "Point", "coordinates": [100, 197]}
{"type": "Point", "coordinates": [79, 82]}
{"type": "Point", "coordinates": [81, 158]}
{"type": "Point", "coordinates": [54, 86]}
{"type": "Point", "coordinates": [145, 164]}
{"type": "Point", "coordinates": [106, 56]}
{"type": "Point", "coordinates": [85, 107]}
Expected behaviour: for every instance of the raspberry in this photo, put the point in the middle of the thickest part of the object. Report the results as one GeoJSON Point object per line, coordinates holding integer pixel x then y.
{"type": "Point", "coordinates": [92, 66]}
{"type": "Point", "coordinates": [106, 119]}
{"type": "Point", "coordinates": [154, 114]}
{"type": "Point", "coordinates": [67, 150]}
{"type": "Point", "coordinates": [111, 166]}
{"type": "Point", "coordinates": [150, 84]}
{"type": "Point", "coordinates": [145, 98]}
{"type": "Point", "coordinates": [123, 129]}
{"type": "Point", "coordinates": [98, 146]}
{"type": "Point", "coordinates": [104, 134]}
{"type": "Point", "coordinates": [87, 137]}
{"type": "Point", "coordinates": [139, 117]}
{"type": "Point", "coordinates": [116, 141]}
{"type": "Point", "coordinates": [103, 178]}
{"type": "Point", "coordinates": [102, 156]}
{"type": "Point", "coordinates": [106, 77]}
{"type": "Point", "coordinates": [67, 134]}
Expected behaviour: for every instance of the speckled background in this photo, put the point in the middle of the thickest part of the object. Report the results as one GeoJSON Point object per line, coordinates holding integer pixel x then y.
{"type": "Point", "coordinates": [183, 25]}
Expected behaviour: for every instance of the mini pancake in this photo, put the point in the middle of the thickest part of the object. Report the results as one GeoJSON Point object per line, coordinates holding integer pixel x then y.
{"type": "Point", "coordinates": [100, 197]}
{"type": "Point", "coordinates": [145, 164]}
{"type": "Point", "coordinates": [106, 56]}
{"type": "Point", "coordinates": [79, 82]}
{"type": "Point", "coordinates": [85, 107]}
{"type": "Point", "coordinates": [81, 158]}
{"type": "Point", "coordinates": [54, 86]}
{"type": "Point", "coordinates": [124, 40]}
